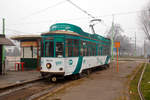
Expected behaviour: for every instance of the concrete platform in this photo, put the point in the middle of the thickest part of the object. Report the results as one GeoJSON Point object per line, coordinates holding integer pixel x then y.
{"type": "Point", "coordinates": [13, 78]}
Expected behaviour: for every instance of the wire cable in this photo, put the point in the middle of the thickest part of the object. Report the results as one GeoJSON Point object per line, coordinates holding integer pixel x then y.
{"type": "Point", "coordinates": [43, 10]}
{"type": "Point", "coordinates": [80, 8]}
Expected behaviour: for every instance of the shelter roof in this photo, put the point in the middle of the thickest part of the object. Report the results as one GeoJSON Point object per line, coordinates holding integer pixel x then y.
{"type": "Point", "coordinates": [26, 37]}
{"type": "Point", "coordinates": [5, 41]}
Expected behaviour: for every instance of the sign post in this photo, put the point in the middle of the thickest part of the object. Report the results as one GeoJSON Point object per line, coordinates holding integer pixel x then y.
{"type": "Point", "coordinates": [117, 46]}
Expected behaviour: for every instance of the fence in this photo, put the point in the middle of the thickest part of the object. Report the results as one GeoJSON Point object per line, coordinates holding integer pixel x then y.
{"type": "Point", "coordinates": [10, 62]}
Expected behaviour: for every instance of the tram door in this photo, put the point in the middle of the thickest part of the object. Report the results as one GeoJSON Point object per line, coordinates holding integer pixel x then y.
{"type": "Point", "coordinates": [59, 47]}
{"type": "Point", "coordinates": [0, 59]}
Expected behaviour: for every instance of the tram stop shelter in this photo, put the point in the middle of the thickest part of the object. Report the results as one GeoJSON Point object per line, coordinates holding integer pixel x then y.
{"type": "Point", "coordinates": [3, 41]}
{"type": "Point", "coordinates": [30, 50]}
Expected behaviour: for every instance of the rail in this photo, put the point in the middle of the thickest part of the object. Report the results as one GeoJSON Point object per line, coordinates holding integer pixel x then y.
{"type": "Point", "coordinates": [139, 83]}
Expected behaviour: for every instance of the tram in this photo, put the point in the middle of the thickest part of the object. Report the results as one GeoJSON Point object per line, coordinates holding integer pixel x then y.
{"type": "Point", "coordinates": [67, 50]}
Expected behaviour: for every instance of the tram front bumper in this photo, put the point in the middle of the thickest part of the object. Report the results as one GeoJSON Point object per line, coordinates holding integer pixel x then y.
{"type": "Point", "coordinates": [50, 74]}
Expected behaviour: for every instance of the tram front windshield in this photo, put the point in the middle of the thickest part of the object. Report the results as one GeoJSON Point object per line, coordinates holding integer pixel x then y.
{"type": "Point", "coordinates": [50, 48]}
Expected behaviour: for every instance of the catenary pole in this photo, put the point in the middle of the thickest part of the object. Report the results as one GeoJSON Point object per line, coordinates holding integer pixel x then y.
{"type": "Point", "coordinates": [3, 26]}
{"type": "Point", "coordinates": [112, 39]}
{"type": "Point", "coordinates": [135, 45]}
{"type": "Point", "coordinates": [3, 48]}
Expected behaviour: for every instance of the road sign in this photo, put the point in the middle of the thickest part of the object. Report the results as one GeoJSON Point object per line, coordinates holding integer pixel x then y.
{"type": "Point", "coordinates": [117, 45]}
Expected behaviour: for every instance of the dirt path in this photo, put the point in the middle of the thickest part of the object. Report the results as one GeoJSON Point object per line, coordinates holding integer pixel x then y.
{"type": "Point", "coordinates": [101, 85]}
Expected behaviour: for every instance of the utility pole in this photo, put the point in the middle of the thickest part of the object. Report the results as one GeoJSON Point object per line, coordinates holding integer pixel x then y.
{"type": "Point", "coordinates": [144, 48]}
{"type": "Point", "coordinates": [135, 45]}
{"type": "Point", "coordinates": [3, 49]}
{"type": "Point", "coordinates": [3, 26]}
{"type": "Point", "coordinates": [112, 38]}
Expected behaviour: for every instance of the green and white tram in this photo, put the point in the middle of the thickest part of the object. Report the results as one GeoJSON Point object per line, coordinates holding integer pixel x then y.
{"type": "Point", "coordinates": [67, 50]}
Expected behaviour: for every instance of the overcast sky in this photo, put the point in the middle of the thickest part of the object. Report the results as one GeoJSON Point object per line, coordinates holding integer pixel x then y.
{"type": "Point", "coordinates": [36, 16]}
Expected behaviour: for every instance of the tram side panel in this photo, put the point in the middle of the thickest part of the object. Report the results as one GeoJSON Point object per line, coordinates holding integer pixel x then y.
{"type": "Point", "coordinates": [70, 65]}
{"type": "Point", "coordinates": [89, 62]}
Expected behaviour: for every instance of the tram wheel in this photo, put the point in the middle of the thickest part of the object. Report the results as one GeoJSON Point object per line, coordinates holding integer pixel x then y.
{"type": "Point", "coordinates": [108, 65]}
{"type": "Point", "coordinates": [76, 76]}
{"type": "Point", "coordinates": [88, 72]}
{"type": "Point", "coordinates": [54, 79]}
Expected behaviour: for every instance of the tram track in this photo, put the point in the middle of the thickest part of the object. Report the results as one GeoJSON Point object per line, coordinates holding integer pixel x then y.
{"type": "Point", "coordinates": [35, 90]}
{"type": "Point", "coordinates": [139, 83]}
{"type": "Point", "coordinates": [32, 91]}
{"type": "Point", "coordinates": [24, 91]}
{"type": "Point", "coordinates": [19, 85]}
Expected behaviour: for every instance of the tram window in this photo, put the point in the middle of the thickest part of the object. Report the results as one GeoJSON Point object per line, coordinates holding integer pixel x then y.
{"type": "Point", "coordinates": [76, 48]}
{"type": "Point", "coordinates": [94, 51]}
{"type": "Point", "coordinates": [89, 48]}
{"type": "Point", "coordinates": [42, 49]}
{"type": "Point", "coordinates": [49, 49]}
{"type": "Point", "coordinates": [101, 51]}
{"type": "Point", "coordinates": [72, 48]}
{"type": "Point", "coordinates": [59, 49]}
{"type": "Point", "coordinates": [69, 42]}
{"type": "Point", "coordinates": [84, 45]}
{"type": "Point", "coordinates": [70, 52]}
{"type": "Point", "coordinates": [69, 48]}
{"type": "Point", "coordinates": [105, 51]}
{"type": "Point", "coordinates": [83, 48]}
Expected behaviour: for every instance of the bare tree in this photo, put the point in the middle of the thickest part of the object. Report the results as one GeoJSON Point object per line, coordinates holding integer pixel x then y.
{"type": "Point", "coordinates": [116, 29]}
{"type": "Point", "coordinates": [145, 20]}
{"type": "Point", "coordinates": [125, 45]}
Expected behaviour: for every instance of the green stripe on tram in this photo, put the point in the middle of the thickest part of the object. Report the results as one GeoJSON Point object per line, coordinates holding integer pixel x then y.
{"type": "Point", "coordinates": [107, 59]}
{"type": "Point", "coordinates": [79, 64]}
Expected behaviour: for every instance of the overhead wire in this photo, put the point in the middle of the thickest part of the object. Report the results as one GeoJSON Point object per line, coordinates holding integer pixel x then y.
{"type": "Point", "coordinates": [43, 10]}
{"type": "Point", "coordinates": [122, 13]}
{"type": "Point", "coordinates": [80, 9]}
{"type": "Point", "coordinates": [16, 31]}
{"type": "Point", "coordinates": [115, 14]}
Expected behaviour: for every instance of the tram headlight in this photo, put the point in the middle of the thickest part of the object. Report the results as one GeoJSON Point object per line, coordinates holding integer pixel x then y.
{"type": "Point", "coordinates": [48, 65]}
{"type": "Point", "coordinates": [61, 69]}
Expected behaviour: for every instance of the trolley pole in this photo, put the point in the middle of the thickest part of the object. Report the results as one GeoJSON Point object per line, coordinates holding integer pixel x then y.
{"type": "Point", "coordinates": [112, 39]}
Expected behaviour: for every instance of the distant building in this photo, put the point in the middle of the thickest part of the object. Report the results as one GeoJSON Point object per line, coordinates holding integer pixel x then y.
{"type": "Point", "coordinates": [30, 50]}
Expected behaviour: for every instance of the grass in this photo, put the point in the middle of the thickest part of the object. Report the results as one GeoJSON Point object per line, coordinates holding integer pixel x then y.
{"type": "Point", "coordinates": [145, 85]}
{"type": "Point", "coordinates": [133, 85]}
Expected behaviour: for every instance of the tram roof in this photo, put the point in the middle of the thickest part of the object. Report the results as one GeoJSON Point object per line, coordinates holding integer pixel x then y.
{"type": "Point", "coordinates": [61, 32]}
{"type": "Point", "coordinates": [73, 30]}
